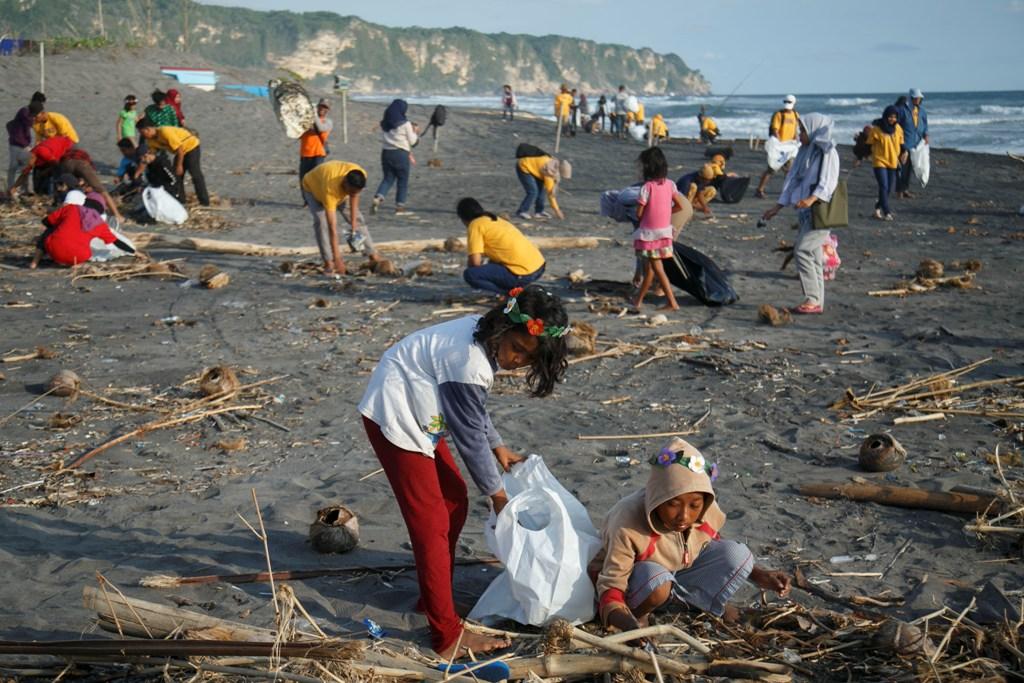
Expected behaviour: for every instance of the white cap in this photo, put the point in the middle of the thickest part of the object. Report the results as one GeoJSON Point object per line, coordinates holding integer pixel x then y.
{"type": "Point", "coordinates": [76, 197]}
{"type": "Point", "coordinates": [789, 101]}
{"type": "Point", "coordinates": [915, 94]}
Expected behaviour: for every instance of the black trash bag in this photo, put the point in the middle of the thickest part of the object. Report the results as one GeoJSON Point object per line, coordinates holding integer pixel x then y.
{"type": "Point", "coordinates": [696, 274]}
{"type": "Point", "coordinates": [159, 173]}
{"type": "Point", "coordinates": [440, 115]}
{"type": "Point", "coordinates": [732, 188]}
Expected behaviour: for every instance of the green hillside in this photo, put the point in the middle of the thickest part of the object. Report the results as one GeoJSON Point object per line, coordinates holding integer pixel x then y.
{"type": "Point", "coordinates": [372, 57]}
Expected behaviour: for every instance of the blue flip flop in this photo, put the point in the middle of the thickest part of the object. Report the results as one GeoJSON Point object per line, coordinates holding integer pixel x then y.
{"type": "Point", "coordinates": [493, 671]}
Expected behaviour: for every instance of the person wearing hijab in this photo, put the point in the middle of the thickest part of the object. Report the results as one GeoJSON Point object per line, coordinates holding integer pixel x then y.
{"type": "Point", "coordinates": [813, 177]}
{"type": "Point", "coordinates": [398, 136]}
{"type": "Point", "coordinates": [886, 140]}
{"type": "Point", "coordinates": [71, 229]}
{"type": "Point", "coordinates": [174, 99]}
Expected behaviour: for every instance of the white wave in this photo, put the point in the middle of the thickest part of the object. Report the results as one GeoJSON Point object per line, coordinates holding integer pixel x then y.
{"type": "Point", "coordinates": [1000, 109]}
{"type": "Point", "coordinates": [849, 101]}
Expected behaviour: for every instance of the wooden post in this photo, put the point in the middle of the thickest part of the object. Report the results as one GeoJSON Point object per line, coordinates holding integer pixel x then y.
{"type": "Point", "coordinates": [99, 10]}
{"type": "Point", "coordinates": [42, 67]}
{"type": "Point", "coordinates": [650, 133]}
{"type": "Point", "coordinates": [558, 132]}
{"type": "Point", "coordinates": [344, 115]}
{"type": "Point", "coordinates": [435, 134]}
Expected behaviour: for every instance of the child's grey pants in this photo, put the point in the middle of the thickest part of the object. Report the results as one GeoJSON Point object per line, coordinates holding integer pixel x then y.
{"type": "Point", "coordinates": [810, 259]}
{"type": "Point", "coordinates": [323, 233]}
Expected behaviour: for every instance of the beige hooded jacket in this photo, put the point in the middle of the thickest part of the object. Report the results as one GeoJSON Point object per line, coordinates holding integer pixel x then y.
{"type": "Point", "coordinates": [633, 533]}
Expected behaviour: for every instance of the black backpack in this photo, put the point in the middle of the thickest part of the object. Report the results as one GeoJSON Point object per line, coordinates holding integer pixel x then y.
{"type": "Point", "coordinates": [732, 188]}
{"type": "Point", "coordinates": [440, 115]}
{"type": "Point", "coordinates": [695, 273]}
{"type": "Point", "coordinates": [525, 149]}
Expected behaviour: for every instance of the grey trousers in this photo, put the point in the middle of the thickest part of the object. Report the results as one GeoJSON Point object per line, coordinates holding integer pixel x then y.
{"type": "Point", "coordinates": [15, 162]}
{"type": "Point", "coordinates": [323, 233]}
{"type": "Point", "coordinates": [810, 259]}
{"type": "Point", "coordinates": [713, 578]}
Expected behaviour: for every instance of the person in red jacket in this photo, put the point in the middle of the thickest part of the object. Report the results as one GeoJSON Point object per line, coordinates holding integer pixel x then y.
{"type": "Point", "coordinates": [70, 231]}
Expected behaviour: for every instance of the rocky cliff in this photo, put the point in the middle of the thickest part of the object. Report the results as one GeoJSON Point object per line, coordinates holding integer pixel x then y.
{"type": "Point", "coordinates": [372, 57]}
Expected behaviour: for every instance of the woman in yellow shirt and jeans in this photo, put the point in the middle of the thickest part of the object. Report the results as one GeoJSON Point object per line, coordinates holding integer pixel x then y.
{"type": "Point", "coordinates": [886, 138]}
{"type": "Point", "coordinates": [512, 260]}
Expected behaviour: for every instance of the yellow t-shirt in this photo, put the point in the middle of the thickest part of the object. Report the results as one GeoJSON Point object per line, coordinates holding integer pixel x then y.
{"type": "Point", "coordinates": [563, 101]}
{"type": "Point", "coordinates": [916, 113]}
{"type": "Point", "coordinates": [885, 148]}
{"type": "Point", "coordinates": [784, 123]}
{"type": "Point", "coordinates": [639, 112]}
{"type": "Point", "coordinates": [324, 183]}
{"type": "Point", "coordinates": [501, 242]}
{"type": "Point", "coordinates": [173, 139]}
{"type": "Point", "coordinates": [658, 127]}
{"type": "Point", "coordinates": [535, 167]}
{"type": "Point", "coordinates": [709, 125]}
{"type": "Point", "coordinates": [55, 124]}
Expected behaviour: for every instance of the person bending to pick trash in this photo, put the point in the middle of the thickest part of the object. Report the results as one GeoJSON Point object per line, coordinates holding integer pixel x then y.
{"type": "Point", "coordinates": [326, 189]}
{"type": "Point", "coordinates": [539, 174]}
{"type": "Point", "coordinates": [513, 260]}
{"type": "Point", "coordinates": [187, 151]}
{"type": "Point", "coordinates": [813, 177]}
{"type": "Point", "coordinates": [664, 541]}
{"type": "Point", "coordinates": [431, 385]}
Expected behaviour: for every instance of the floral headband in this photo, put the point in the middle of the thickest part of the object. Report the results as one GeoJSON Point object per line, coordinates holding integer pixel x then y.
{"type": "Point", "coordinates": [535, 326]}
{"type": "Point", "coordinates": [695, 463]}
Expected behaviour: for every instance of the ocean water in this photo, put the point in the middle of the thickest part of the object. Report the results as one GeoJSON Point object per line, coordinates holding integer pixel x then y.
{"type": "Point", "coordinates": [971, 121]}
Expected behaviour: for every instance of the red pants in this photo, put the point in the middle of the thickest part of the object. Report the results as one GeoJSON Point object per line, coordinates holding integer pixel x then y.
{"type": "Point", "coordinates": [432, 497]}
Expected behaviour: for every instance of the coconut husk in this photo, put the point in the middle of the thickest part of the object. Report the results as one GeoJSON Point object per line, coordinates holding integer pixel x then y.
{"type": "Point", "coordinates": [64, 420]}
{"type": "Point", "coordinates": [881, 453]}
{"type": "Point", "coordinates": [66, 384]}
{"type": "Point", "coordinates": [218, 381]}
{"type": "Point", "coordinates": [902, 639]}
{"type": "Point", "coordinates": [385, 268]}
{"type": "Point", "coordinates": [420, 269]}
{"type": "Point", "coordinates": [973, 265]}
{"type": "Point", "coordinates": [930, 268]}
{"type": "Point", "coordinates": [335, 530]}
{"type": "Point", "coordinates": [453, 244]}
{"type": "Point", "coordinates": [213, 278]}
{"type": "Point", "coordinates": [433, 163]}
{"type": "Point", "coordinates": [774, 316]}
{"type": "Point", "coordinates": [582, 340]}
{"type": "Point", "coordinates": [236, 444]}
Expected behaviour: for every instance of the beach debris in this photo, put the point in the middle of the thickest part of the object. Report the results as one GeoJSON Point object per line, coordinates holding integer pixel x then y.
{"type": "Point", "coordinates": [582, 339]}
{"type": "Point", "coordinates": [881, 453]}
{"type": "Point", "coordinates": [335, 530]}
{"type": "Point", "coordinates": [577, 276]}
{"type": "Point", "coordinates": [774, 316]}
{"type": "Point", "coordinates": [238, 443]}
{"type": "Point", "coordinates": [212, 277]}
{"type": "Point", "coordinates": [941, 394]}
{"type": "Point", "coordinates": [41, 352]}
{"type": "Point", "coordinates": [694, 428]}
{"type": "Point", "coordinates": [657, 320]}
{"type": "Point", "coordinates": [901, 496]}
{"type": "Point", "coordinates": [218, 381]}
{"type": "Point", "coordinates": [434, 163]}
{"type": "Point", "coordinates": [384, 268]}
{"type": "Point", "coordinates": [422, 268]}
{"type": "Point", "coordinates": [66, 384]}
{"type": "Point", "coordinates": [930, 268]}
{"type": "Point", "coordinates": [902, 639]}
{"type": "Point", "coordinates": [453, 244]}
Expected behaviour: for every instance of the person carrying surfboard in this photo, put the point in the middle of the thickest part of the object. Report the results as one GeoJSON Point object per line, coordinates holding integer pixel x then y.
{"type": "Point", "coordinates": [784, 128]}
{"type": "Point", "coordinates": [326, 189]}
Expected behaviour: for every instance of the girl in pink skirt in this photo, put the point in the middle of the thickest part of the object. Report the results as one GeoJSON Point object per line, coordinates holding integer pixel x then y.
{"type": "Point", "coordinates": [652, 238]}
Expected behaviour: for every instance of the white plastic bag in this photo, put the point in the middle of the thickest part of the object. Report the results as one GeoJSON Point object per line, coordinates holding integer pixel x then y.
{"type": "Point", "coordinates": [920, 159]}
{"type": "Point", "coordinates": [637, 132]}
{"type": "Point", "coordinates": [779, 152]}
{"type": "Point", "coordinates": [163, 207]}
{"type": "Point", "coordinates": [545, 539]}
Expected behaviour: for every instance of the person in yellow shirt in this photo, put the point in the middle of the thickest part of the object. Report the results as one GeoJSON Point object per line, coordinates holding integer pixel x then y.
{"type": "Point", "coordinates": [563, 107]}
{"type": "Point", "coordinates": [539, 175]}
{"type": "Point", "coordinates": [785, 126]}
{"type": "Point", "coordinates": [708, 130]}
{"type": "Point", "coordinates": [698, 187]}
{"type": "Point", "coordinates": [659, 129]}
{"type": "Point", "coordinates": [184, 145]}
{"type": "Point", "coordinates": [326, 189]}
{"type": "Point", "coordinates": [512, 259]}
{"type": "Point", "coordinates": [639, 115]}
{"type": "Point", "coordinates": [886, 139]}
{"type": "Point", "coordinates": [49, 124]}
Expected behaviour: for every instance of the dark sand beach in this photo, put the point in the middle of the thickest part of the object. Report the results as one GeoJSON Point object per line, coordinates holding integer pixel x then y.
{"type": "Point", "coordinates": [166, 502]}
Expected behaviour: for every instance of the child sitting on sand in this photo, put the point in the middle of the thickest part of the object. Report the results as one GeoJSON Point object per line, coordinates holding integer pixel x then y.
{"type": "Point", "coordinates": [663, 541]}
{"type": "Point", "coordinates": [652, 238]}
{"type": "Point", "coordinates": [433, 384]}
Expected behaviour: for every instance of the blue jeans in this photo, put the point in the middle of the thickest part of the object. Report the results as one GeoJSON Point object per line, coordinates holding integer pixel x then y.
{"type": "Point", "coordinates": [395, 163]}
{"type": "Point", "coordinates": [494, 277]}
{"type": "Point", "coordinates": [886, 179]}
{"type": "Point", "coordinates": [534, 192]}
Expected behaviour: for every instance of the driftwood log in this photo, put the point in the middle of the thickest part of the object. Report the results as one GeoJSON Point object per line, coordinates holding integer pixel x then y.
{"type": "Point", "coordinates": [901, 496]}
{"type": "Point", "coordinates": [156, 240]}
{"type": "Point", "coordinates": [567, 665]}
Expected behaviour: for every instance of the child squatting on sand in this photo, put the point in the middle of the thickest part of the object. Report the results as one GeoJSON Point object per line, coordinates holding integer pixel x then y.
{"type": "Point", "coordinates": [663, 541]}
{"type": "Point", "coordinates": [433, 384]}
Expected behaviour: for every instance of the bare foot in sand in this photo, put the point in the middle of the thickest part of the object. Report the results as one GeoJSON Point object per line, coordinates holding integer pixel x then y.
{"type": "Point", "coordinates": [476, 642]}
{"type": "Point", "coordinates": [669, 307]}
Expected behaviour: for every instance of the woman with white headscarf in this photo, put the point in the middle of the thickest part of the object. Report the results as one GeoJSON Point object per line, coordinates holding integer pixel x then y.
{"type": "Point", "coordinates": [812, 178]}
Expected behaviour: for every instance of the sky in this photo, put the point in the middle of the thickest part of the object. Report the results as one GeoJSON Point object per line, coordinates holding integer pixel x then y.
{"type": "Point", "coordinates": [756, 46]}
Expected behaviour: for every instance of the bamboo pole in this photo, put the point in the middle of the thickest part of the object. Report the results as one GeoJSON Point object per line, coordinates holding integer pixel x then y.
{"type": "Point", "coordinates": [558, 132]}
{"type": "Point", "coordinates": [900, 496]}
{"type": "Point", "coordinates": [156, 240]}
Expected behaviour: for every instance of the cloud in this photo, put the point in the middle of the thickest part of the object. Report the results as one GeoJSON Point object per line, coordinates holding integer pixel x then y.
{"type": "Point", "coordinates": [711, 56]}
{"type": "Point", "coordinates": [900, 48]}
{"type": "Point", "coordinates": [1016, 6]}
